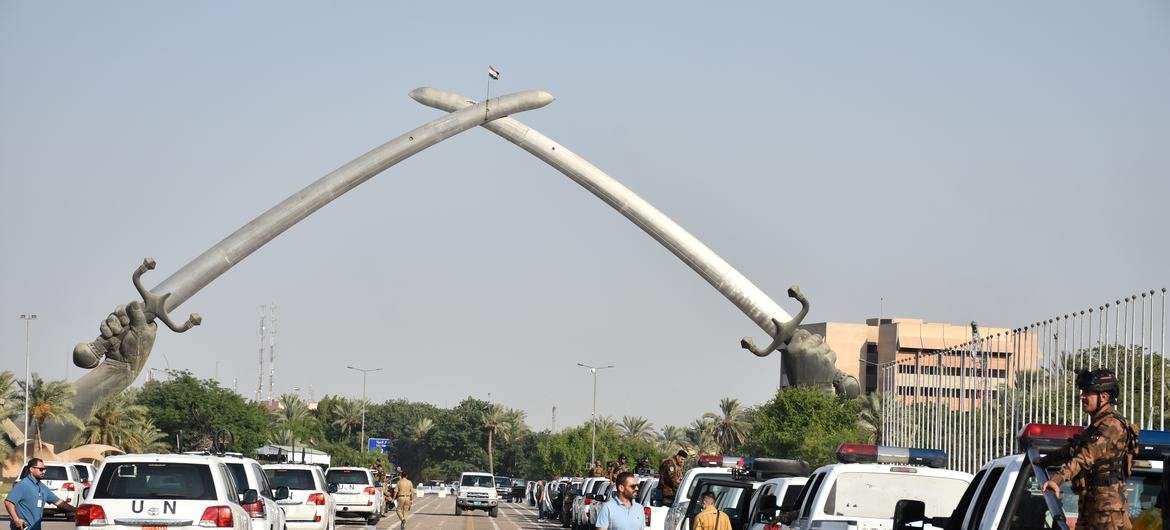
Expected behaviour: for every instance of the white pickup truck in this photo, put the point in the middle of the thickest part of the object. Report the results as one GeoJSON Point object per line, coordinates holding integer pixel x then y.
{"type": "Point", "coordinates": [477, 491]}
{"type": "Point", "coordinates": [1006, 492]}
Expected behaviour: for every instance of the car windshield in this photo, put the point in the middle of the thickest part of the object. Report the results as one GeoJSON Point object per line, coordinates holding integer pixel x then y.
{"type": "Point", "coordinates": [155, 480]}
{"type": "Point", "coordinates": [56, 473]}
{"type": "Point", "coordinates": [503, 482]}
{"type": "Point", "coordinates": [293, 479]}
{"type": "Point", "coordinates": [478, 481]}
{"type": "Point", "coordinates": [346, 476]}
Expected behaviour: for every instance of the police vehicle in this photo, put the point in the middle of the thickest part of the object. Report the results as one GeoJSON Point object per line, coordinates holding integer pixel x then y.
{"type": "Point", "coordinates": [310, 504]}
{"type": "Point", "coordinates": [861, 492]}
{"type": "Point", "coordinates": [1005, 493]}
{"type": "Point", "coordinates": [737, 495]}
{"type": "Point", "coordinates": [165, 492]}
{"type": "Point", "coordinates": [707, 465]}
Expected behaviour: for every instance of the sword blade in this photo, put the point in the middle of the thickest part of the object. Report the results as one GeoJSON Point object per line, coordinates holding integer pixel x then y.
{"type": "Point", "coordinates": [216, 260]}
{"type": "Point", "coordinates": [722, 276]}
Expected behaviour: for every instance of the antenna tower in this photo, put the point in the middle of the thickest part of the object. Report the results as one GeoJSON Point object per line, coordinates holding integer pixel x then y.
{"type": "Point", "coordinates": [260, 372]}
{"type": "Point", "coordinates": [271, 349]}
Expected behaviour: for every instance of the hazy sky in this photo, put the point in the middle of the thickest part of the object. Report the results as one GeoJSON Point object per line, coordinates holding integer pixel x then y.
{"type": "Point", "coordinates": [991, 161]}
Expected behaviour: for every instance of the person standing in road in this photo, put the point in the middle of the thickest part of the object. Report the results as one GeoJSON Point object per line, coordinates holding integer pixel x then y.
{"type": "Point", "coordinates": [596, 470]}
{"type": "Point", "coordinates": [622, 512]}
{"type": "Point", "coordinates": [670, 475]}
{"type": "Point", "coordinates": [710, 518]}
{"type": "Point", "coordinates": [1101, 458]}
{"type": "Point", "coordinates": [404, 492]}
{"type": "Point", "coordinates": [26, 502]}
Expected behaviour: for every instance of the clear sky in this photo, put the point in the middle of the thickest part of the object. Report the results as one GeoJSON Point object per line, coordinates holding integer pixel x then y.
{"type": "Point", "coordinates": [992, 161]}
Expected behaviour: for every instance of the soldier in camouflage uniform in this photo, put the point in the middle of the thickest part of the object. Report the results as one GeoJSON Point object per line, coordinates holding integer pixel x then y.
{"type": "Point", "coordinates": [1100, 459]}
{"type": "Point", "coordinates": [670, 475]}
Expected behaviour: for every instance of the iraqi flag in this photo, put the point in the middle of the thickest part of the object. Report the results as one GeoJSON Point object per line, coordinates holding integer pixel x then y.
{"type": "Point", "coordinates": [493, 73]}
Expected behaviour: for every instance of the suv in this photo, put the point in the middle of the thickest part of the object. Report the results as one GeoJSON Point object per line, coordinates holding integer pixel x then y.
{"type": "Point", "coordinates": [503, 488]}
{"type": "Point", "coordinates": [65, 482]}
{"type": "Point", "coordinates": [521, 490]}
{"type": "Point", "coordinates": [266, 514]}
{"type": "Point", "coordinates": [477, 491]}
{"type": "Point", "coordinates": [707, 465]}
{"type": "Point", "coordinates": [176, 492]}
{"type": "Point", "coordinates": [739, 495]}
{"type": "Point", "coordinates": [86, 472]}
{"type": "Point", "coordinates": [310, 504]}
{"type": "Point", "coordinates": [357, 493]}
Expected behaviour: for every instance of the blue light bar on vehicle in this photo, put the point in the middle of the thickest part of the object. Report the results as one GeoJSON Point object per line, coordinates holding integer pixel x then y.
{"type": "Point", "coordinates": [1153, 445]}
{"type": "Point", "coordinates": [884, 454]}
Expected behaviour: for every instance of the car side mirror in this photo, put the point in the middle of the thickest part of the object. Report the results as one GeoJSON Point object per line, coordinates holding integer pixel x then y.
{"type": "Point", "coordinates": [282, 493]}
{"type": "Point", "coordinates": [331, 488]}
{"type": "Point", "coordinates": [249, 497]}
{"type": "Point", "coordinates": [908, 511]}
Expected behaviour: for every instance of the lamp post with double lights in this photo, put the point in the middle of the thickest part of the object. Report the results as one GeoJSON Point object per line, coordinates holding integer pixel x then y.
{"type": "Point", "coordinates": [27, 360]}
{"type": "Point", "coordinates": [364, 371]}
{"type": "Point", "coordinates": [593, 416]}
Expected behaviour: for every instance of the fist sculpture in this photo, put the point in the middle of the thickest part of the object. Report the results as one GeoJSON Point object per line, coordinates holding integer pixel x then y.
{"type": "Point", "coordinates": [116, 358]}
{"type": "Point", "coordinates": [811, 362]}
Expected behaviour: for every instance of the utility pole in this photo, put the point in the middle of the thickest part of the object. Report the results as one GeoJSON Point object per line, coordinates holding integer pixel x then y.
{"type": "Point", "coordinates": [593, 416]}
{"type": "Point", "coordinates": [27, 361]}
{"type": "Point", "coordinates": [364, 371]}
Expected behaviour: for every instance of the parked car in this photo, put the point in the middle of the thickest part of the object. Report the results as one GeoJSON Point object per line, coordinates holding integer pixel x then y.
{"type": "Point", "coordinates": [265, 513]}
{"type": "Point", "coordinates": [175, 492]}
{"type": "Point", "coordinates": [519, 490]}
{"type": "Point", "coordinates": [66, 483]}
{"type": "Point", "coordinates": [358, 493]}
{"type": "Point", "coordinates": [310, 504]}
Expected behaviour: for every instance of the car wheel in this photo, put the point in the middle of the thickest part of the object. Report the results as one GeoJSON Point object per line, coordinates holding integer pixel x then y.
{"type": "Point", "coordinates": [496, 511]}
{"type": "Point", "coordinates": [372, 520]}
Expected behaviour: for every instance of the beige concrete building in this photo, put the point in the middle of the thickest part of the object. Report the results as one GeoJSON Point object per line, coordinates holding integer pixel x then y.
{"type": "Point", "coordinates": [931, 358]}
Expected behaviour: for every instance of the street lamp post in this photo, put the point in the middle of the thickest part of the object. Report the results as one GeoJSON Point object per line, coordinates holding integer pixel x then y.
{"type": "Point", "coordinates": [593, 416]}
{"type": "Point", "coordinates": [364, 371]}
{"type": "Point", "coordinates": [27, 359]}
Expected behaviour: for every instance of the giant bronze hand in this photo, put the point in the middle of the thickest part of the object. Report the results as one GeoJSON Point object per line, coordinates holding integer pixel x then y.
{"type": "Point", "coordinates": [127, 336]}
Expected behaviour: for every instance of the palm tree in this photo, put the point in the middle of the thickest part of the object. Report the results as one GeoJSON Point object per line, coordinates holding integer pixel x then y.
{"type": "Point", "coordinates": [605, 424]}
{"type": "Point", "coordinates": [701, 437]}
{"type": "Point", "coordinates": [731, 425]}
{"type": "Point", "coordinates": [672, 438]}
{"type": "Point", "coordinates": [870, 417]}
{"type": "Point", "coordinates": [638, 428]}
{"type": "Point", "coordinates": [293, 414]}
{"type": "Point", "coordinates": [111, 423]}
{"type": "Point", "coordinates": [142, 436]}
{"type": "Point", "coordinates": [8, 408]}
{"type": "Point", "coordinates": [495, 418]}
{"type": "Point", "coordinates": [348, 414]}
{"type": "Point", "coordinates": [420, 429]}
{"type": "Point", "coordinates": [515, 427]}
{"type": "Point", "coordinates": [49, 401]}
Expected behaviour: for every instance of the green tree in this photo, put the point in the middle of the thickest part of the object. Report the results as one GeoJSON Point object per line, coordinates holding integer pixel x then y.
{"type": "Point", "coordinates": [292, 414]}
{"type": "Point", "coordinates": [638, 427]}
{"type": "Point", "coordinates": [804, 422]}
{"type": "Point", "coordinates": [869, 418]}
{"type": "Point", "coordinates": [731, 425]}
{"type": "Point", "coordinates": [347, 415]}
{"type": "Point", "coordinates": [494, 419]}
{"type": "Point", "coordinates": [141, 436]}
{"type": "Point", "coordinates": [672, 439]}
{"type": "Point", "coordinates": [200, 408]}
{"type": "Point", "coordinates": [567, 452]}
{"type": "Point", "coordinates": [8, 410]}
{"type": "Point", "coordinates": [114, 421]}
{"type": "Point", "coordinates": [49, 401]}
{"type": "Point", "coordinates": [700, 437]}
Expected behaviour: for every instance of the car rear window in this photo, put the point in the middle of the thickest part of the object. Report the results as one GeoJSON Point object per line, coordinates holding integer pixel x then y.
{"type": "Point", "coordinates": [346, 476]}
{"type": "Point", "coordinates": [56, 473]}
{"type": "Point", "coordinates": [240, 475]}
{"type": "Point", "coordinates": [155, 480]}
{"type": "Point", "coordinates": [293, 479]}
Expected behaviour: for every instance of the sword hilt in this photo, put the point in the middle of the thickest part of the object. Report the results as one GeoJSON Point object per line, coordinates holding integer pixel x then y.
{"type": "Point", "coordinates": [784, 330]}
{"type": "Point", "coordinates": [156, 304]}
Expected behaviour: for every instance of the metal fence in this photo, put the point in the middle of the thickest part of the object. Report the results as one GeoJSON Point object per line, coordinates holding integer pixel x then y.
{"type": "Point", "coordinates": [972, 400]}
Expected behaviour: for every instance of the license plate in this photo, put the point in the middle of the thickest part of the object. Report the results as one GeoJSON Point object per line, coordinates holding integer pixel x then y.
{"type": "Point", "coordinates": [154, 528]}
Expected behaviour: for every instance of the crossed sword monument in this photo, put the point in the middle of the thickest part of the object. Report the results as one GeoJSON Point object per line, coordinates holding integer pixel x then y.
{"type": "Point", "coordinates": [118, 355]}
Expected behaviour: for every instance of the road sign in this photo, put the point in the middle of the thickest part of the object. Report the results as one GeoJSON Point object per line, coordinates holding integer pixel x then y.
{"type": "Point", "coordinates": [381, 445]}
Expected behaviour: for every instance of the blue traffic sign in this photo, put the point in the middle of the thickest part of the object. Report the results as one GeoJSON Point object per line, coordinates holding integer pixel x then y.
{"type": "Point", "coordinates": [381, 445]}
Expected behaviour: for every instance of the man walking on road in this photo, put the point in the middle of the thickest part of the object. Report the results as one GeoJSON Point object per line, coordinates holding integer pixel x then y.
{"type": "Point", "coordinates": [26, 502]}
{"type": "Point", "coordinates": [711, 518]}
{"type": "Point", "coordinates": [622, 512]}
{"type": "Point", "coordinates": [1101, 458]}
{"type": "Point", "coordinates": [670, 475]}
{"type": "Point", "coordinates": [404, 490]}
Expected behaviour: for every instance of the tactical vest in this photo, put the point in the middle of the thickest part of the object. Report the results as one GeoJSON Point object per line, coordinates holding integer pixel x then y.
{"type": "Point", "coordinates": [1111, 471]}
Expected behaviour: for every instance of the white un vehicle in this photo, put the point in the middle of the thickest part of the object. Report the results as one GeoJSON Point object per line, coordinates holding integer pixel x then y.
{"type": "Point", "coordinates": [165, 492]}
{"type": "Point", "coordinates": [862, 491]}
{"type": "Point", "coordinates": [1005, 494]}
{"type": "Point", "coordinates": [358, 494]}
{"type": "Point", "coordinates": [310, 504]}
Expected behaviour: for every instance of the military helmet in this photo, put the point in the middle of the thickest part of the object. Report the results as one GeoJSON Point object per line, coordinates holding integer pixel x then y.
{"type": "Point", "coordinates": [1097, 381]}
